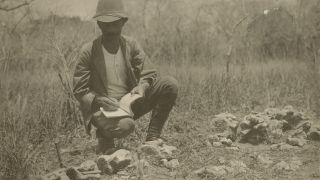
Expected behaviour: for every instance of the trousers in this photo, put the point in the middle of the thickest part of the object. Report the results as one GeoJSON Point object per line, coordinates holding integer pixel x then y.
{"type": "Point", "coordinates": [159, 98]}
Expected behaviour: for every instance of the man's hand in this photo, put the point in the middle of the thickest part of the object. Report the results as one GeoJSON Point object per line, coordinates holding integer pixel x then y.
{"type": "Point", "coordinates": [108, 104]}
{"type": "Point", "coordinates": [140, 89]}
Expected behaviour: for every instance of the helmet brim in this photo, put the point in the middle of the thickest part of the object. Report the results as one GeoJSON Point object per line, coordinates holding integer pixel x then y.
{"type": "Point", "coordinates": [106, 18]}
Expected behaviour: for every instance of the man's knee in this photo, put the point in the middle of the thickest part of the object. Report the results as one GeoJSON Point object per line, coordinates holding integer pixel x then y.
{"type": "Point", "coordinates": [125, 127]}
{"type": "Point", "coordinates": [112, 128]}
{"type": "Point", "coordinates": [170, 84]}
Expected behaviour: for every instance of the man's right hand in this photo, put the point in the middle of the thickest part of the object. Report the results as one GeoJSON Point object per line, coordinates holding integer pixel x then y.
{"type": "Point", "coordinates": [108, 104]}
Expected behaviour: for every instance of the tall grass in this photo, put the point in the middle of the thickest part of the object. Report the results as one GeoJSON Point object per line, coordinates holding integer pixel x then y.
{"type": "Point", "coordinates": [36, 98]}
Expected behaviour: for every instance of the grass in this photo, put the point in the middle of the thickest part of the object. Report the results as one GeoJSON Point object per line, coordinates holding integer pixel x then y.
{"type": "Point", "coordinates": [34, 104]}
{"type": "Point", "coordinates": [35, 85]}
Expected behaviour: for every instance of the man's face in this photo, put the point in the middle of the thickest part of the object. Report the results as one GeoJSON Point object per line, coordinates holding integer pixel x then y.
{"type": "Point", "coordinates": [111, 28]}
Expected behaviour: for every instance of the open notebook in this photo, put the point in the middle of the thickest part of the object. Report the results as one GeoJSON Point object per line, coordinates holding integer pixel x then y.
{"type": "Point", "coordinates": [124, 109]}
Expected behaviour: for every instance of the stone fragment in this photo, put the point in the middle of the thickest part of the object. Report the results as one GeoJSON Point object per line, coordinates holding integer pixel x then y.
{"type": "Point", "coordinates": [283, 147]}
{"type": "Point", "coordinates": [121, 159]}
{"type": "Point", "coordinates": [217, 144]}
{"type": "Point", "coordinates": [296, 141]}
{"type": "Point", "coordinates": [167, 150]}
{"type": "Point", "coordinates": [75, 174]}
{"type": "Point", "coordinates": [171, 164]}
{"type": "Point", "coordinates": [292, 166]}
{"type": "Point", "coordinates": [59, 174]}
{"type": "Point", "coordinates": [300, 134]}
{"type": "Point", "coordinates": [281, 166]}
{"type": "Point", "coordinates": [88, 165]}
{"type": "Point", "coordinates": [141, 163]}
{"type": "Point", "coordinates": [158, 149]}
{"type": "Point", "coordinates": [264, 160]}
{"type": "Point", "coordinates": [233, 148]}
{"type": "Point", "coordinates": [292, 116]}
{"type": "Point", "coordinates": [211, 171]}
{"type": "Point", "coordinates": [109, 164]}
{"type": "Point", "coordinates": [222, 160]}
{"type": "Point", "coordinates": [238, 166]}
{"type": "Point", "coordinates": [314, 134]}
{"type": "Point", "coordinates": [150, 150]}
{"type": "Point", "coordinates": [226, 141]}
{"type": "Point", "coordinates": [104, 165]}
{"type": "Point", "coordinates": [305, 126]}
{"type": "Point", "coordinates": [213, 138]}
{"type": "Point", "coordinates": [224, 121]}
{"type": "Point", "coordinates": [158, 142]}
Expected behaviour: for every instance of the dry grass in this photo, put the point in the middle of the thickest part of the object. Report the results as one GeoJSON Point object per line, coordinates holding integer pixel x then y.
{"type": "Point", "coordinates": [35, 86]}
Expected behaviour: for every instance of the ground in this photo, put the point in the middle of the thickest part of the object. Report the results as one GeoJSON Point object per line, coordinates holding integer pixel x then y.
{"type": "Point", "coordinates": [193, 154]}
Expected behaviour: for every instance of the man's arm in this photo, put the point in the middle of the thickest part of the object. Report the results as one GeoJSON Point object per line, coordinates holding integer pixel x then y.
{"type": "Point", "coordinates": [81, 78]}
{"type": "Point", "coordinates": [142, 64]}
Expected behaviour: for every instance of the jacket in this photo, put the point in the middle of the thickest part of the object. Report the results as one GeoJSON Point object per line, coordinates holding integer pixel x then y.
{"type": "Point", "coordinates": [90, 79]}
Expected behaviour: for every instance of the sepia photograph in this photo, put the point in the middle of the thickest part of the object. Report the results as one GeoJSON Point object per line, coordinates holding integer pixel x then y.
{"type": "Point", "coordinates": [159, 89]}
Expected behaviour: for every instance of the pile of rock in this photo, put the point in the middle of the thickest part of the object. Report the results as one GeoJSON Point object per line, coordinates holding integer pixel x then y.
{"type": "Point", "coordinates": [92, 170]}
{"type": "Point", "coordinates": [163, 152]}
{"type": "Point", "coordinates": [117, 162]}
{"type": "Point", "coordinates": [231, 168]}
{"type": "Point", "coordinates": [270, 126]}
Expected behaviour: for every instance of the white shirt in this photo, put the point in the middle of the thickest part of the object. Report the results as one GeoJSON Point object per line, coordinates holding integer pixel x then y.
{"type": "Point", "coordinates": [116, 74]}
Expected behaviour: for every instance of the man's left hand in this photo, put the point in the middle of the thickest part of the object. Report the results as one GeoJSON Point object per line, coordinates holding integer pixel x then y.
{"type": "Point", "coordinates": [140, 89]}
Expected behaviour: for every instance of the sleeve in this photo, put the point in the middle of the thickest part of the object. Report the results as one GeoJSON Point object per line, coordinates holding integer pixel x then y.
{"type": "Point", "coordinates": [81, 79]}
{"type": "Point", "coordinates": [142, 65]}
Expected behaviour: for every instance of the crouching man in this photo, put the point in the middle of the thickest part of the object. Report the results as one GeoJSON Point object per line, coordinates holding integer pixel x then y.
{"type": "Point", "coordinates": [112, 66]}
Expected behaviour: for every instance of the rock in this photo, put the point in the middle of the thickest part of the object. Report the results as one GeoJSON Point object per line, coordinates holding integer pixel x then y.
{"type": "Point", "coordinates": [88, 165]}
{"type": "Point", "coordinates": [109, 164]}
{"type": "Point", "coordinates": [158, 148]}
{"type": "Point", "coordinates": [226, 141]}
{"type": "Point", "coordinates": [172, 164]}
{"type": "Point", "coordinates": [208, 143]}
{"type": "Point", "coordinates": [296, 141]}
{"type": "Point", "coordinates": [253, 129]}
{"type": "Point", "coordinates": [305, 126]}
{"type": "Point", "coordinates": [300, 134]}
{"type": "Point", "coordinates": [167, 150]}
{"type": "Point", "coordinates": [222, 160]}
{"type": "Point", "coordinates": [59, 174]}
{"type": "Point", "coordinates": [104, 165]}
{"type": "Point", "coordinates": [292, 116]}
{"type": "Point", "coordinates": [150, 150]}
{"type": "Point", "coordinates": [314, 134]}
{"type": "Point", "coordinates": [294, 165]}
{"type": "Point", "coordinates": [283, 147]}
{"type": "Point", "coordinates": [121, 159]}
{"type": "Point", "coordinates": [158, 142]}
{"type": "Point", "coordinates": [225, 120]}
{"type": "Point", "coordinates": [264, 160]}
{"type": "Point", "coordinates": [123, 173]}
{"type": "Point", "coordinates": [233, 148]}
{"type": "Point", "coordinates": [213, 138]}
{"type": "Point", "coordinates": [281, 166]}
{"type": "Point", "coordinates": [211, 171]}
{"type": "Point", "coordinates": [141, 163]}
{"type": "Point", "coordinates": [217, 144]}
{"type": "Point", "coordinates": [238, 166]}
{"type": "Point", "coordinates": [75, 174]}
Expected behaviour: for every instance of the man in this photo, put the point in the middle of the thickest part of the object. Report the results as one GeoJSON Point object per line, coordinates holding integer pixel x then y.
{"type": "Point", "coordinates": [112, 66]}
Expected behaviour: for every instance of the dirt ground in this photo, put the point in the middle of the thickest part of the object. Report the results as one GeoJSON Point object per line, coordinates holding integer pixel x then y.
{"type": "Point", "coordinates": [194, 154]}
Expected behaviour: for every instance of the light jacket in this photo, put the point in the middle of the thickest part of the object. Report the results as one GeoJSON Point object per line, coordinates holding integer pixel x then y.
{"type": "Point", "coordinates": [90, 77]}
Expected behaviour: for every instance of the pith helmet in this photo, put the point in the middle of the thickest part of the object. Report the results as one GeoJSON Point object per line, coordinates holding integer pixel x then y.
{"type": "Point", "coordinates": [109, 11]}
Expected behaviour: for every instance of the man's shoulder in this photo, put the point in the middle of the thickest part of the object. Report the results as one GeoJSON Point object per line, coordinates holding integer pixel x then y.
{"type": "Point", "coordinates": [130, 40]}
{"type": "Point", "coordinates": [87, 47]}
